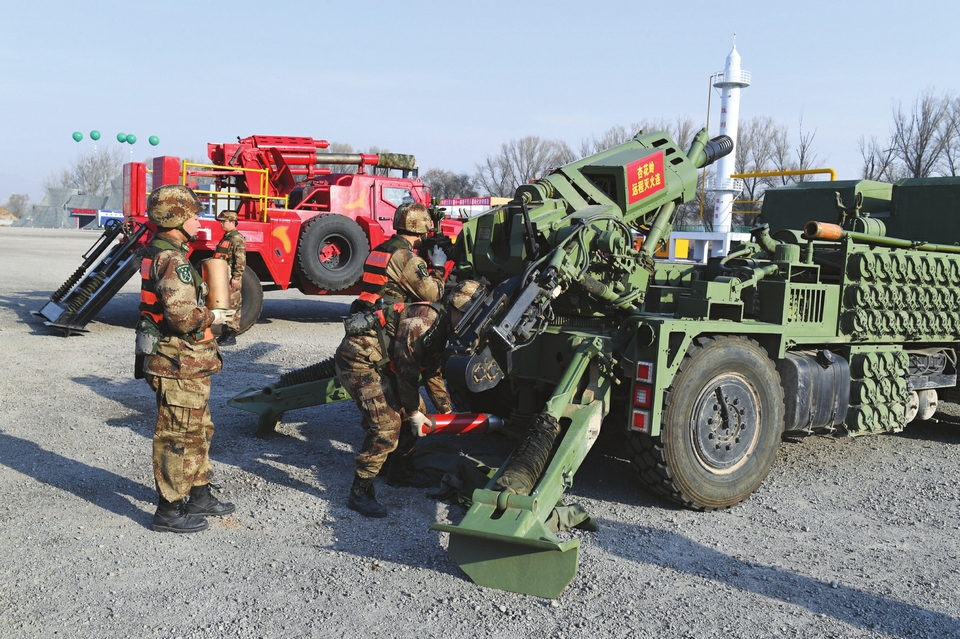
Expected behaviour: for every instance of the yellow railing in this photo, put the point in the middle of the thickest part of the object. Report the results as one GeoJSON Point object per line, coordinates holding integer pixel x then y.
{"type": "Point", "coordinates": [262, 198]}
{"type": "Point", "coordinates": [758, 174]}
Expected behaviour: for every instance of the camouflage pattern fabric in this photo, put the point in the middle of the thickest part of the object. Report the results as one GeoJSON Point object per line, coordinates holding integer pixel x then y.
{"type": "Point", "coordinates": [171, 205]}
{"type": "Point", "coordinates": [375, 395]}
{"type": "Point", "coordinates": [418, 353]}
{"type": "Point", "coordinates": [410, 278]}
{"type": "Point", "coordinates": [187, 355]}
{"type": "Point", "coordinates": [181, 437]}
{"type": "Point", "coordinates": [233, 248]}
{"type": "Point", "coordinates": [179, 354]}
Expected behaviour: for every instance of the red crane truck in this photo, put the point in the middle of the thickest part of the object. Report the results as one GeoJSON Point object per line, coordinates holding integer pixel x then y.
{"type": "Point", "coordinates": [308, 223]}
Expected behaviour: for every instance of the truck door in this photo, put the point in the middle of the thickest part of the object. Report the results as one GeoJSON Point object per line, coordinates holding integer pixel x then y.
{"type": "Point", "coordinates": [390, 195]}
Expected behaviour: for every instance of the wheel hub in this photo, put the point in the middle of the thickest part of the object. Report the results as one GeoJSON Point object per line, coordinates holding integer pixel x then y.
{"type": "Point", "coordinates": [724, 424]}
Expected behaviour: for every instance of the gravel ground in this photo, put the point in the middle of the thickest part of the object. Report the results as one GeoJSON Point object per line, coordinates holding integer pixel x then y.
{"type": "Point", "coordinates": [847, 537]}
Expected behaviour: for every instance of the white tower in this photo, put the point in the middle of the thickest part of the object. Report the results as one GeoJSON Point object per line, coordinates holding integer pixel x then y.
{"type": "Point", "coordinates": [725, 188]}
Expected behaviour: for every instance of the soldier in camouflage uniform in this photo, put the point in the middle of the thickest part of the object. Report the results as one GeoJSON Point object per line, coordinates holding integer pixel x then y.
{"type": "Point", "coordinates": [233, 248]}
{"type": "Point", "coordinates": [179, 355]}
{"type": "Point", "coordinates": [393, 276]}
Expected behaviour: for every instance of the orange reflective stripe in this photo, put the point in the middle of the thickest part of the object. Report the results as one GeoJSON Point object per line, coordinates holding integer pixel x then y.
{"type": "Point", "coordinates": [376, 279]}
{"type": "Point", "coordinates": [378, 258]}
{"type": "Point", "coordinates": [398, 307]}
{"type": "Point", "coordinates": [145, 268]}
{"type": "Point", "coordinates": [369, 297]}
{"type": "Point", "coordinates": [380, 315]}
{"type": "Point", "coordinates": [148, 297]}
{"type": "Point", "coordinates": [156, 317]}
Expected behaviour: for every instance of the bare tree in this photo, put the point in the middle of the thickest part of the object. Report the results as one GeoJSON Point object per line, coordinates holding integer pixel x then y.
{"type": "Point", "coordinates": [17, 204]}
{"type": "Point", "coordinates": [950, 163]}
{"type": "Point", "coordinates": [449, 184]}
{"type": "Point", "coordinates": [879, 161]}
{"type": "Point", "coordinates": [920, 137]}
{"type": "Point", "coordinates": [91, 173]}
{"type": "Point", "coordinates": [761, 146]}
{"type": "Point", "coordinates": [519, 162]}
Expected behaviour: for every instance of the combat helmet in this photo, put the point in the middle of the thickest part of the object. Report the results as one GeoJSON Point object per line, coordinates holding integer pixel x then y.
{"type": "Point", "coordinates": [227, 215]}
{"type": "Point", "coordinates": [413, 218]}
{"type": "Point", "coordinates": [464, 294]}
{"type": "Point", "coordinates": [171, 205]}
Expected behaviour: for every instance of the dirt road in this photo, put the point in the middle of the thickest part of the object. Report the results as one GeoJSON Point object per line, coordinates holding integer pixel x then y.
{"type": "Point", "coordinates": [846, 538]}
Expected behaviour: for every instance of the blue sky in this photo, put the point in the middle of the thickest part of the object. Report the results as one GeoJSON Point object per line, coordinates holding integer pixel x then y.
{"type": "Point", "coordinates": [446, 81]}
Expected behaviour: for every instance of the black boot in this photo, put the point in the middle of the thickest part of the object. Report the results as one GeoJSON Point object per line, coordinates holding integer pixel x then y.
{"type": "Point", "coordinates": [172, 516]}
{"type": "Point", "coordinates": [363, 500]}
{"type": "Point", "coordinates": [204, 504]}
{"type": "Point", "coordinates": [228, 337]}
{"type": "Point", "coordinates": [403, 473]}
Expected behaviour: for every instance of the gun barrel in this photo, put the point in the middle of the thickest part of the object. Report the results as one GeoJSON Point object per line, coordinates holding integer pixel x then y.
{"type": "Point", "coordinates": [832, 232]}
{"type": "Point", "coordinates": [384, 160]}
{"type": "Point", "coordinates": [704, 152]}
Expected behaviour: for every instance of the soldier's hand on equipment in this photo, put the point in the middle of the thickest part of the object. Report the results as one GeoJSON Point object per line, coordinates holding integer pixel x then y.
{"type": "Point", "coordinates": [417, 421]}
{"type": "Point", "coordinates": [222, 316]}
{"type": "Point", "coordinates": [437, 256]}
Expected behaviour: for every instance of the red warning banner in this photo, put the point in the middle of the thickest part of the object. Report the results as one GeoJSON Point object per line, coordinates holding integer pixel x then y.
{"type": "Point", "coordinates": [645, 177]}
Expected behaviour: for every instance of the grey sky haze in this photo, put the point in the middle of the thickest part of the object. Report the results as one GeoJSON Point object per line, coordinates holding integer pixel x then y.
{"type": "Point", "coordinates": [447, 81]}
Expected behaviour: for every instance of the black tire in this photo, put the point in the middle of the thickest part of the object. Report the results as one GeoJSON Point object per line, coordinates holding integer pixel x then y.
{"type": "Point", "coordinates": [251, 299]}
{"type": "Point", "coordinates": [332, 251]}
{"type": "Point", "coordinates": [701, 459]}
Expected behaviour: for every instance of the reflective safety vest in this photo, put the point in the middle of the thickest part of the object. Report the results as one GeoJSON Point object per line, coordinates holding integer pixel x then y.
{"type": "Point", "coordinates": [224, 251]}
{"type": "Point", "coordinates": [150, 305]}
{"type": "Point", "coordinates": [375, 284]}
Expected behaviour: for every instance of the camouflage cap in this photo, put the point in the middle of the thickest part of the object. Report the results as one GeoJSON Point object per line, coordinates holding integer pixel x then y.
{"type": "Point", "coordinates": [464, 294]}
{"type": "Point", "coordinates": [171, 205]}
{"type": "Point", "coordinates": [412, 217]}
{"type": "Point", "coordinates": [227, 216]}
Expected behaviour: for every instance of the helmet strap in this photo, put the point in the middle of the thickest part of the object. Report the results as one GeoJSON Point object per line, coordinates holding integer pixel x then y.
{"type": "Point", "coordinates": [188, 238]}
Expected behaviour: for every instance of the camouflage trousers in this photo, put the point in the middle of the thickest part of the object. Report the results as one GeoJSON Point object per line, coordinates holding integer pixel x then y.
{"type": "Point", "coordinates": [375, 394]}
{"type": "Point", "coordinates": [236, 301]}
{"type": "Point", "coordinates": [181, 438]}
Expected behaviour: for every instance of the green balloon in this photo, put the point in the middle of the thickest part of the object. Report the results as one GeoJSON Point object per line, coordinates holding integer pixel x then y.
{"type": "Point", "coordinates": [94, 135]}
{"type": "Point", "coordinates": [77, 136]}
{"type": "Point", "coordinates": [154, 140]}
{"type": "Point", "coordinates": [131, 138]}
{"type": "Point", "coordinates": [121, 137]}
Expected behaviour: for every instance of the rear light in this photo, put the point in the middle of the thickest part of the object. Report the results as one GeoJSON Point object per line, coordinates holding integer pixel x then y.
{"type": "Point", "coordinates": [645, 372]}
{"type": "Point", "coordinates": [641, 421]}
{"type": "Point", "coordinates": [642, 395]}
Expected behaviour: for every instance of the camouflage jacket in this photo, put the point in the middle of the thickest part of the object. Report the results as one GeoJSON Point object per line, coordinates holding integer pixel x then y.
{"type": "Point", "coordinates": [418, 352]}
{"type": "Point", "coordinates": [187, 348]}
{"type": "Point", "coordinates": [405, 276]}
{"type": "Point", "coordinates": [233, 248]}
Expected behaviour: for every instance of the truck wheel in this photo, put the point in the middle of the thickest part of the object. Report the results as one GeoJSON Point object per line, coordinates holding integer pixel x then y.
{"type": "Point", "coordinates": [332, 251]}
{"type": "Point", "coordinates": [251, 299]}
{"type": "Point", "coordinates": [721, 426]}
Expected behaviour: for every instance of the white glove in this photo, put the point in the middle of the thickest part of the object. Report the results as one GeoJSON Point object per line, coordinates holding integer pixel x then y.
{"type": "Point", "coordinates": [417, 422]}
{"type": "Point", "coordinates": [437, 257]}
{"type": "Point", "coordinates": [222, 316]}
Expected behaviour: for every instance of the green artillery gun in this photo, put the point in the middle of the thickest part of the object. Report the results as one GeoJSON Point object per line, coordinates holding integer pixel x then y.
{"type": "Point", "coordinates": [703, 368]}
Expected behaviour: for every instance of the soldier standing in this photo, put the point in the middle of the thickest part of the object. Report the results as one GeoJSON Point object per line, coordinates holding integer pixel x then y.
{"type": "Point", "coordinates": [233, 248]}
{"type": "Point", "coordinates": [393, 276]}
{"type": "Point", "coordinates": [179, 356]}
